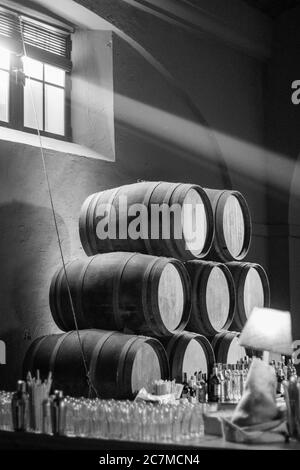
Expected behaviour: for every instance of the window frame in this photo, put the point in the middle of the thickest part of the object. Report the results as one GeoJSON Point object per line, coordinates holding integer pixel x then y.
{"type": "Point", "coordinates": [16, 92]}
{"type": "Point", "coordinates": [9, 90]}
{"type": "Point", "coordinates": [67, 108]}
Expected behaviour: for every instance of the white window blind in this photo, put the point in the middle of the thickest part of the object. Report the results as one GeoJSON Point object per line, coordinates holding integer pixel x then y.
{"type": "Point", "coordinates": [43, 42]}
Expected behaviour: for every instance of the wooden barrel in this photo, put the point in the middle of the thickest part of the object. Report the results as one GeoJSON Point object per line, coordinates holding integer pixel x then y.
{"type": "Point", "coordinates": [213, 297]}
{"type": "Point", "coordinates": [145, 294]}
{"type": "Point", "coordinates": [109, 218]}
{"type": "Point", "coordinates": [227, 347]}
{"type": "Point", "coordinates": [252, 290]}
{"type": "Point", "coordinates": [233, 226]}
{"type": "Point", "coordinates": [189, 352]}
{"type": "Point", "coordinates": [119, 365]}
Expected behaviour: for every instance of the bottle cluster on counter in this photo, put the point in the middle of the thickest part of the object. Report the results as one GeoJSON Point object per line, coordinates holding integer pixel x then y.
{"type": "Point", "coordinates": [225, 383]}
{"type": "Point", "coordinates": [284, 370]}
{"type": "Point", "coordinates": [33, 408]}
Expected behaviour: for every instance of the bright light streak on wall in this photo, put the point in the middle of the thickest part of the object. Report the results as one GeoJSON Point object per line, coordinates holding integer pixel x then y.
{"type": "Point", "coordinates": [244, 158]}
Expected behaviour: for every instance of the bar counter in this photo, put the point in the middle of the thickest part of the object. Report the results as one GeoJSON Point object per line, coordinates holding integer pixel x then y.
{"type": "Point", "coordinates": [31, 441]}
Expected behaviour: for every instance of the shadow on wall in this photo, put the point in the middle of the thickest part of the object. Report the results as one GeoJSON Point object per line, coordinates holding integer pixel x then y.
{"type": "Point", "coordinates": [28, 258]}
{"type": "Point", "coordinates": [294, 248]}
{"type": "Point", "coordinates": [156, 117]}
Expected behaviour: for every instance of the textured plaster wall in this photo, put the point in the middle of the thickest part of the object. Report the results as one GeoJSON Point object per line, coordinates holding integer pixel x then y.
{"type": "Point", "coordinates": [283, 139]}
{"type": "Point", "coordinates": [159, 135]}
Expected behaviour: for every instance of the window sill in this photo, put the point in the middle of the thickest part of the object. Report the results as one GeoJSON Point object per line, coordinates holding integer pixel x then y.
{"type": "Point", "coordinates": [13, 135]}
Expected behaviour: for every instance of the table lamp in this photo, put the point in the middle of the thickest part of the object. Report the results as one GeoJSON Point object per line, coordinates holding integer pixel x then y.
{"type": "Point", "coordinates": [268, 330]}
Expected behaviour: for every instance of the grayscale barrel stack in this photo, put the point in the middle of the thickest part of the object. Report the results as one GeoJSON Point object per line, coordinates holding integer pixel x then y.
{"type": "Point", "coordinates": [152, 307]}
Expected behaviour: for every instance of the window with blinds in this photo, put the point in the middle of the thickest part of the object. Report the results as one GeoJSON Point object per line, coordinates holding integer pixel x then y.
{"type": "Point", "coordinates": [35, 66]}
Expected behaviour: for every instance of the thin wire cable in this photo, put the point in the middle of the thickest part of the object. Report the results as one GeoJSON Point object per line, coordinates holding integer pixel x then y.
{"type": "Point", "coordinates": [89, 381]}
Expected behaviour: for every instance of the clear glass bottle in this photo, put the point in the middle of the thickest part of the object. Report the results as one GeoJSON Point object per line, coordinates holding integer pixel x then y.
{"type": "Point", "coordinates": [58, 413]}
{"type": "Point", "coordinates": [235, 383]}
{"type": "Point", "coordinates": [20, 407]}
{"type": "Point", "coordinates": [280, 380]}
{"type": "Point", "coordinates": [227, 383]}
{"type": "Point", "coordinates": [222, 382]}
{"type": "Point", "coordinates": [214, 386]}
{"type": "Point", "coordinates": [240, 379]}
{"type": "Point", "coordinates": [201, 389]}
{"type": "Point", "coordinates": [205, 383]}
{"type": "Point", "coordinates": [192, 390]}
{"type": "Point", "coordinates": [185, 391]}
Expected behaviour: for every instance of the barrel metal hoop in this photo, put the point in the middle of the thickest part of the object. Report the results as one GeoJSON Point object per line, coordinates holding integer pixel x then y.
{"type": "Point", "coordinates": [226, 343]}
{"type": "Point", "coordinates": [232, 295]}
{"type": "Point", "coordinates": [175, 355]}
{"type": "Point", "coordinates": [221, 246]}
{"type": "Point", "coordinates": [231, 290]}
{"type": "Point", "coordinates": [95, 354]}
{"type": "Point", "coordinates": [79, 292]}
{"type": "Point", "coordinates": [211, 359]}
{"type": "Point", "coordinates": [91, 229]}
{"type": "Point", "coordinates": [239, 272]}
{"type": "Point", "coordinates": [264, 280]}
{"type": "Point", "coordinates": [59, 309]}
{"type": "Point", "coordinates": [210, 221]}
{"type": "Point", "coordinates": [187, 289]}
{"type": "Point", "coordinates": [208, 350]}
{"type": "Point", "coordinates": [33, 353]}
{"type": "Point", "coordinates": [221, 346]}
{"type": "Point", "coordinates": [216, 342]}
{"type": "Point", "coordinates": [84, 225]}
{"type": "Point", "coordinates": [160, 352]}
{"type": "Point", "coordinates": [110, 203]}
{"type": "Point", "coordinates": [183, 188]}
{"type": "Point", "coordinates": [171, 344]}
{"type": "Point", "coordinates": [151, 319]}
{"type": "Point", "coordinates": [116, 286]}
{"type": "Point", "coordinates": [54, 299]}
{"type": "Point", "coordinates": [248, 225]}
{"type": "Point", "coordinates": [146, 201]}
{"type": "Point", "coordinates": [241, 279]}
{"type": "Point", "coordinates": [55, 350]}
{"type": "Point", "coordinates": [203, 278]}
{"type": "Point", "coordinates": [168, 196]}
{"type": "Point", "coordinates": [122, 362]}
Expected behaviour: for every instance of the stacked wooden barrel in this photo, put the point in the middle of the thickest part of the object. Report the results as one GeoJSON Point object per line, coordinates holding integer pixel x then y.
{"type": "Point", "coordinates": [249, 280]}
{"type": "Point", "coordinates": [181, 283]}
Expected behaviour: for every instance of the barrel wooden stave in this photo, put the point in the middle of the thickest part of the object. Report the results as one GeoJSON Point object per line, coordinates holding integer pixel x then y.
{"type": "Point", "coordinates": [122, 290]}
{"type": "Point", "coordinates": [248, 294]}
{"type": "Point", "coordinates": [227, 348]}
{"type": "Point", "coordinates": [200, 273]}
{"type": "Point", "coordinates": [147, 194]}
{"type": "Point", "coordinates": [191, 351]}
{"type": "Point", "coordinates": [230, 209]}
{"type": "Point", "coordinates": [115, 362]}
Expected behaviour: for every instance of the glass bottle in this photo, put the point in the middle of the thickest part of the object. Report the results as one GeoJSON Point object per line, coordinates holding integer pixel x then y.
{"type": "Point", "coordinates": [20, 407]}
{"type": "Point", "coordinates": [227, 383]}
{"type": "Point", "coordinates": [58, 413]}
{"type": "Point", "coordinates": [205, 383]}
{"type": "Point", "coordinates": [185, 391]}
{"type": "Point", "coordinates": [235, 383]}
{"type": "Point", "coordinates": [192, 390]}
{"type": "Point", "coordinates": [280, 380]}
{"type": "Point", "coordinates": [222, 382]}
{"type": "Point", "coordinates": [201, 389]}
{"type": "Point", "coordinates": [214, 386]}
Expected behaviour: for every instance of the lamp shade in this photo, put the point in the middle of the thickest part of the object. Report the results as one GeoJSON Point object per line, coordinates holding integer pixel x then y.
{"type": "Point", "coordinates": [268, 330]}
